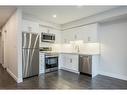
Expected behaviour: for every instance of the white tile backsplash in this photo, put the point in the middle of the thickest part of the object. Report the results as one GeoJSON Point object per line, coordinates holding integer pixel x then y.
{"type": "Point", "coordinates": [84, 48]}
{"type": "Point", "coordinates": [89, 48]}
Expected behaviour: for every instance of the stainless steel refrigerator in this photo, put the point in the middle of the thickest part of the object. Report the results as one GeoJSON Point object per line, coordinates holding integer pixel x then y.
{"type": "Point", "coordinates": [30, 54]}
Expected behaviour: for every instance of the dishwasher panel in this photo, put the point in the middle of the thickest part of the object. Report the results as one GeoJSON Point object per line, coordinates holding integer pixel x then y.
{"type": "Point", "coordinates": [85, 64]}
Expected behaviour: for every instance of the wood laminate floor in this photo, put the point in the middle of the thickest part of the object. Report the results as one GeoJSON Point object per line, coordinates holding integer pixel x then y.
{"type": "Point", "coordinates": [61, 80]}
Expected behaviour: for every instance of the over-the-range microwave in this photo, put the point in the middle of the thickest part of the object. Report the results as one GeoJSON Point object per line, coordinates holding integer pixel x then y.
{"type": "Point", "coordinates": [47, 37]}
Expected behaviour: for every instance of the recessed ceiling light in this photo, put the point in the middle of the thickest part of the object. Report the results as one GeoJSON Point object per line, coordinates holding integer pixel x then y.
{"type": "Point", "coordinates": [54, 16]}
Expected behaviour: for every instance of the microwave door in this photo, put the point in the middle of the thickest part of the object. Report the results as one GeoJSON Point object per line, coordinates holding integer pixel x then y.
{"type": "Point", "coordinates": [47, 38]}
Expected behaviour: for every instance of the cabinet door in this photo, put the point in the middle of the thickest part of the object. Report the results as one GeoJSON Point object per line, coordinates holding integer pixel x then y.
{"type": "Point", "coordinates": [62, 61]}
{"type": "Point", "coordinates": [66, 36]}
{"type": "Point", "coordinates": [41, 63]}
{"type": "Point", "coordinates": [68, 61]}
{"type": "Point", "coordinates": [88, 33]}
{"type": "Point", "coordinates": [57, 35]}
{"type": "Point", "coordinates": [29, 26]}
{"type": "Point", "coordinates": [95, 64]}
{"type": "Point", "coordinates": [65, 61]}
{"type": "Point", "coordinates": [73, 62]}
{"type": "Point", "coordinates": [75, 34]}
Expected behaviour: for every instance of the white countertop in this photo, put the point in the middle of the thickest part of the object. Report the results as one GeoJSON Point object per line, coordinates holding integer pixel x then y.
{"type": "Point", "coordinates": [76, 53]}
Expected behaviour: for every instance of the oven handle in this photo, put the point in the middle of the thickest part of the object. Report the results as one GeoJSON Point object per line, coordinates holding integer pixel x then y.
{"type": "Point", "coordinates": [50, 56]}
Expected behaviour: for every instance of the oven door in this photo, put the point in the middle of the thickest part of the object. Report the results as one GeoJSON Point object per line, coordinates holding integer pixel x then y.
{"type": "Point", "coordinates": [51, 62]}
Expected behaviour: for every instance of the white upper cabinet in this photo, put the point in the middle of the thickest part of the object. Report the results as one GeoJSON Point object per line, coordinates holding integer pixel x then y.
{"type": "Point", "coordinates": [30, 26]}
{"type": "Point", "coordinates": [57, 36]}
{"type": "Point", "coordinates": [66, 36]}
{"type": "Point", "coordinates": [88, 34]}
{"type": "Point", "coordinates": [52, 31]}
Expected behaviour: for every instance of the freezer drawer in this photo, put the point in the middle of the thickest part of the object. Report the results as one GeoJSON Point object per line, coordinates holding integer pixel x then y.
{"type": "Point", "coordinates": [85, 64]}
{"type": "Point", "coordinates": [30, 62]}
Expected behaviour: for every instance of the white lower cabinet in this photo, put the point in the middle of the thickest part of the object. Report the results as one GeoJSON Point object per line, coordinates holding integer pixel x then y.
{"type": "Point", "coordinates": [95, 64]}
{"type": "Point", "coordinates": [41, 63]}
{"type": "Point", "coordinates": [69, 62]}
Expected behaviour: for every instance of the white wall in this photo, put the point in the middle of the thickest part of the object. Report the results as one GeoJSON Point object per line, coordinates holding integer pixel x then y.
{"type": "Point", "coordinates": [19, 44]}
{"type": "Point", "coordinates": [113, 39]}
{"type": "Point", "coordinates": [12, 46]}
{"type": "Point", "coordinates": [0, 47]}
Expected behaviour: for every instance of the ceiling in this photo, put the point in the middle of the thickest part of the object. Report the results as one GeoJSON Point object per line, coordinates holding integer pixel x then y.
{"type": "Point", "coordinates": [64, 14]}
{"type": "Point", "coordinates": [5, 13]}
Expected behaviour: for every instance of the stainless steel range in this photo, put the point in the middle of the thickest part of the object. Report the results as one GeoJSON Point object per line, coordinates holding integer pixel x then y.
{"type": "Point", "coordinates": [51, 59]}
{"type": "Point", "coordinates": [51, 62]}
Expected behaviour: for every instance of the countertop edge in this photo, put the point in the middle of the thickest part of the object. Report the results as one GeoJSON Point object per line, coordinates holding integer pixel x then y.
{"type": "Point", "coordinates": [70, 53]}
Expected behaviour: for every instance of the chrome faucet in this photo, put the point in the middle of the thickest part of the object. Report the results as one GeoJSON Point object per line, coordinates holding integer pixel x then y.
{"type": "Point", "coordinates": [77, 48]}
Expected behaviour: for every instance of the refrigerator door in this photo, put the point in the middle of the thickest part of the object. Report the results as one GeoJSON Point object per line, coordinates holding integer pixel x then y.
{"type": "Point", "coordinates": [30, 62]}
{"type": "Point", "coordinates": [30, 40]}
{"type": "Point", "coordinates": [25, 40]}
{"type": "Point", "coordinates": [26, 63]}
{"type": "Point", "coordinates": [34, 61]}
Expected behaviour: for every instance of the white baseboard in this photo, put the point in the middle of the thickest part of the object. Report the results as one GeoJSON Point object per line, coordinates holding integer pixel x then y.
{"type": "Point", "coordinates": [118, 76]}
{"type": "Point", "coordinates": [18, 80]}
{"type": "Point", "coordinates": [3, 66]}
{"type": "Point", "coordinates": [69, 70]}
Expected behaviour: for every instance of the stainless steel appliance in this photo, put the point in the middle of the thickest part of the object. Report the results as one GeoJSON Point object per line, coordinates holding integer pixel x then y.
{"type": "Point", "coordinates": [30, 54]}
{"type": "Point", "coordinates": [46, 49]}
{"type": "Point", "coordinates": [47, 37]}
{"type": "Point", "coordinates": [51, 62]}
{"type": "Point", "coordinates": [85, 64]}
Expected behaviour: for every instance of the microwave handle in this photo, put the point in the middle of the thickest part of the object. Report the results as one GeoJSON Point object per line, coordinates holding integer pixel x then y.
{"type": "Point", "coordinates": [54, 37]}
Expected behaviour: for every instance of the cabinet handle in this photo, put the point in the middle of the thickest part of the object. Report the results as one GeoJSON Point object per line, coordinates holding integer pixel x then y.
{"type": "Point", "coordinates": [65, 40]}
{"type": "Point", "coordinates": [48, 31]}
{"type": "Point", "coordinates": [75, 37]}
{"type": "Point", "coordinates": [71, 60]}
{"type": "Point", "coordinates": [89, 39]}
